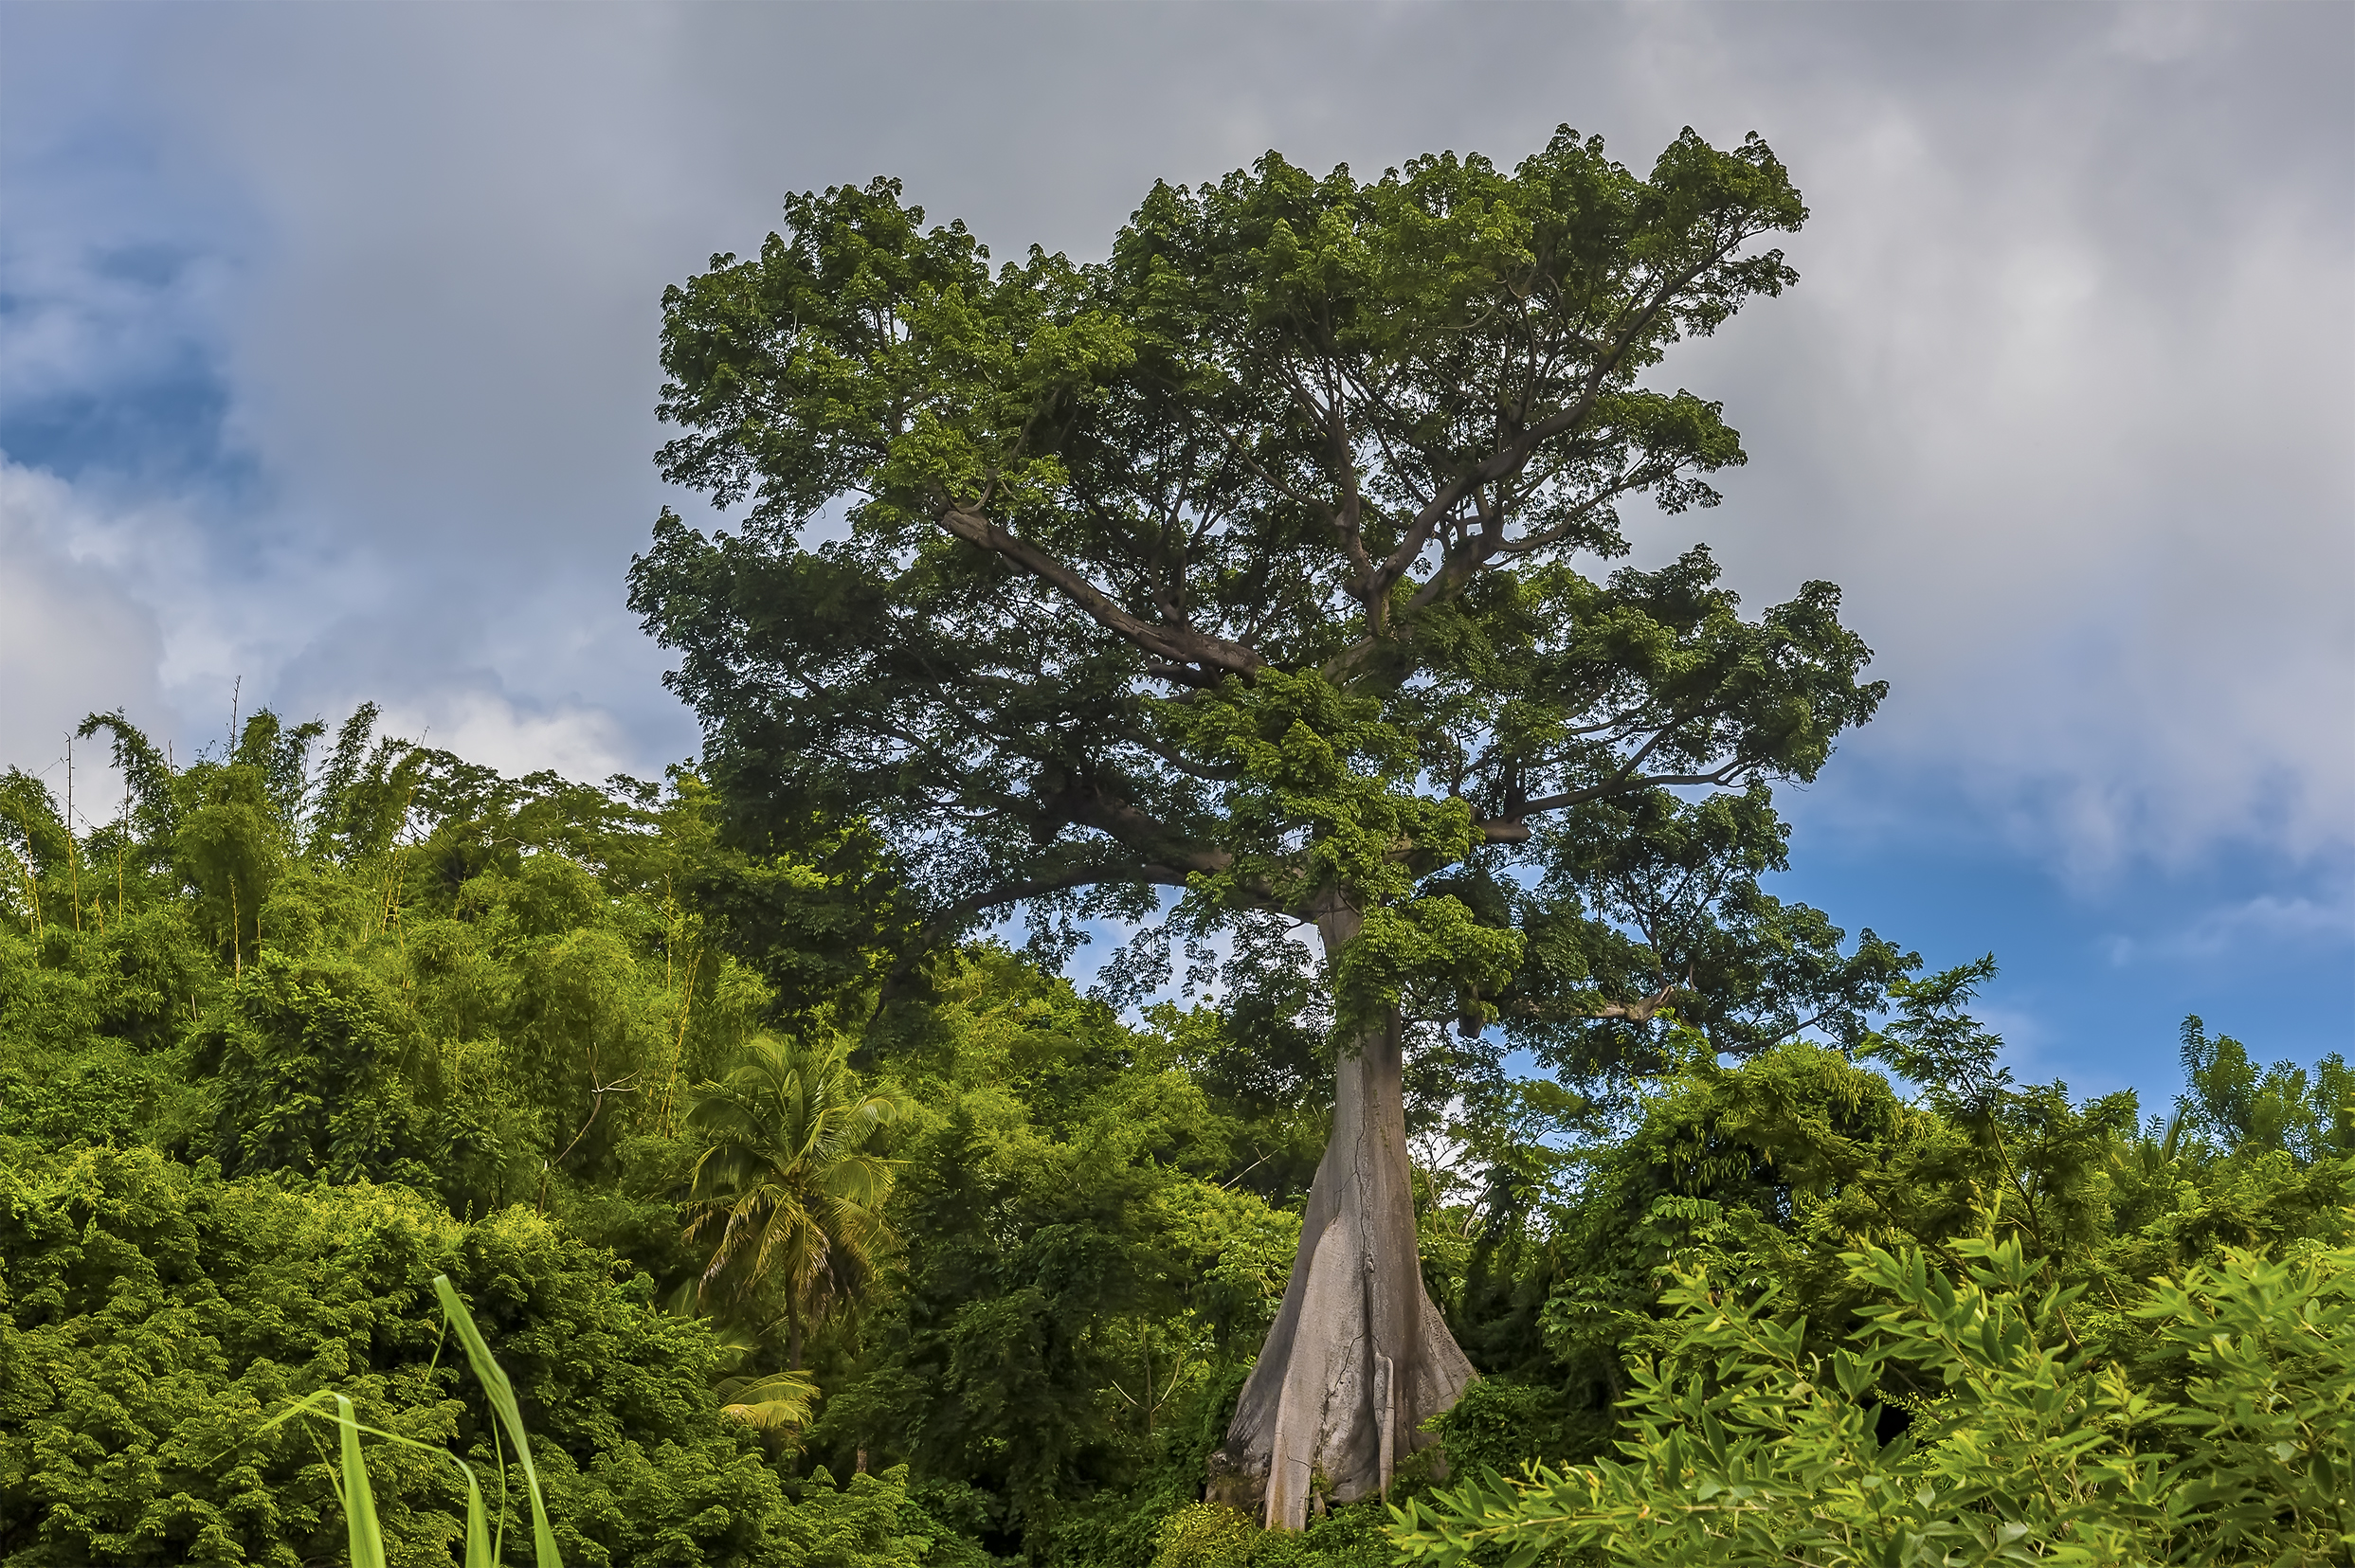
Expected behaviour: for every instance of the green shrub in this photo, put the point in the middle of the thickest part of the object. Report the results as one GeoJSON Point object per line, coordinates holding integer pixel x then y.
{"type": "Point", "coordinates": [1747, 1447]}
{"type": "Point", "coordinates": [1502, 1423]}
{"type": "Point", "coordinates": [1205, 1535]}
{"type": "Point", "coordinates": [153, 1316]}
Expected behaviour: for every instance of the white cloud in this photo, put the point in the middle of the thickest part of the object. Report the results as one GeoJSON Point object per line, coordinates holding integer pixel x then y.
{"type": "Point", "coordinates": [2063, 398]}
{"type": "Point", "coordinates": [143, 602]}
{"type": "Point", "coordinates": [2082, 460]}
{"type": "Point", "coordinates": [2158, 33]}
{"type": "Point", "coordinates": [74, 640]}
{"type": "Point", "coordinates": [107, 605]}
{"type": "Point", "coordinates": [2271, 922]}
{"type": "Point", "coordinates": [585, 744]}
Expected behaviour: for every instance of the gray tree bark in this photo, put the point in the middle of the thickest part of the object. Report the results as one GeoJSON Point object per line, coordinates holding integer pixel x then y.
{"type": "Point", "coordinates": [1358, 1357]}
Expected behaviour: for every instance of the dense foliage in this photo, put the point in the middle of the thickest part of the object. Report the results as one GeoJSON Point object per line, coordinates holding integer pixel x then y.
{"type": "Point", "coordinates": [292, 1035]}
{"type": "Point", "coordinates": [250, 1113]}
{"type": "Point", "coordinates": [1747, 1448]}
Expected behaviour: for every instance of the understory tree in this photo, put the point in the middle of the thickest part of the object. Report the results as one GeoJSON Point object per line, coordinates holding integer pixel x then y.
{"type": "Point", "coordinates": [785, 1189]}
{"type": "Point", "coordinates": [1247, 565]}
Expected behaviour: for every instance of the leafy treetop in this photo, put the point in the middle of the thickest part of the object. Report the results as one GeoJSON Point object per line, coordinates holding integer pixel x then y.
{"type": "Point", "coordinates": [1077, 576]}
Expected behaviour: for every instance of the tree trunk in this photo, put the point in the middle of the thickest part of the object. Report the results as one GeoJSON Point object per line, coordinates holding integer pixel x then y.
{"type": "Point", "coordinates": [1358, 1357]}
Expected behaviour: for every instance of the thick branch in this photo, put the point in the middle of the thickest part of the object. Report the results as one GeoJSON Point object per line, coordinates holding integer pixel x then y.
{"type": "Point", "coordinates": [1641, 1010]}
{"type": "Point", "coordinates": [1139, 833]}
{"type": "Point", "coordinates": [1088, 875]}
{"type": "Point", "coordinates": [1622, 784]}
{"type": "Point", "coordinates": [1176, 645]}
{"type": "Point", "coordinates": [1500, 464]}
{"type": "Point", "coordinates": [1511, 459]}
{"type": "Point", "coordinates": [1184, 764]}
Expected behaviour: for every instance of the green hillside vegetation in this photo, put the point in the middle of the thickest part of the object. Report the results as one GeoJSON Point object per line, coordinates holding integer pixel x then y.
{"type": "Point", "coordinates": [305, 1025]}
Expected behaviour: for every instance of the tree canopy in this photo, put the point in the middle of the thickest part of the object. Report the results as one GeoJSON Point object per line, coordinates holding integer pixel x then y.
{"type": "Point", "coordinates": [1032, 553]}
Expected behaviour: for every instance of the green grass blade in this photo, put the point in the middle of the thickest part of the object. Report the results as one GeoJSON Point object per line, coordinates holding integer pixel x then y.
{"type": "Point", "coordinates": [359, 1502]}
{"type": "Point", "coordinates": [502, 1396]}
{"type": "Point", "coordinates": [478, 1551]}
{"type": "Point", "coordinates": [307, 1405]}
{"type": "Point", "coordinates": [477, 1530]}
{"type": "Point", "coordinates": [498, 1451]}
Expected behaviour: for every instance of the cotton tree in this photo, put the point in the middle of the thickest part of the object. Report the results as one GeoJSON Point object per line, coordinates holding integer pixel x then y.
{"type": "Point", "coordinates": [1246, 564]}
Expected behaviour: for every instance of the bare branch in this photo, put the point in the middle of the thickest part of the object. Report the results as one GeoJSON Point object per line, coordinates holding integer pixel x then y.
{"type": "Point", "coordinates": [1511, 459]}
{"type": "Point", "coordinates": [1513, 830]}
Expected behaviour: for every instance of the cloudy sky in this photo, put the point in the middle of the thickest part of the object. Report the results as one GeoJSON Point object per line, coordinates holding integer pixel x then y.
{"type": "Point", "coordinates": [327, 365]}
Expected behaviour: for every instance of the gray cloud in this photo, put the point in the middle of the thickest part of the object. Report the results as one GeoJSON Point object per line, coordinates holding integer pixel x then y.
{"type": "Point", "coordinates": [69, 625]}
{"type": "Point", "coordinates": [2063, 398]}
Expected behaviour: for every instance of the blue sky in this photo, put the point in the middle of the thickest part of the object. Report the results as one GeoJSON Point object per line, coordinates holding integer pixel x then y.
{"type": "Point", "coordinates": [327, 367]}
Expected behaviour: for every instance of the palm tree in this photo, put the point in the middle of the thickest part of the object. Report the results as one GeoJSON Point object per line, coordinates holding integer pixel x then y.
{"type": "Point", "coordinates": [781, 1402]}
{"type": "Point", "coordinates": [786, 1179]}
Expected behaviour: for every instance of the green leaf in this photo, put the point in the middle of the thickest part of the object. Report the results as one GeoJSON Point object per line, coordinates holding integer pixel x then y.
{"type": "Point", "coordinates": [360, 1500]}
{"type": "Point", "coordinates": [502, 1396]}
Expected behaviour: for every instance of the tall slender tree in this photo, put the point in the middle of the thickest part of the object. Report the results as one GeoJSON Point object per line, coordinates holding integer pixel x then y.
{"type": "Point", "coordinates": [1244, 564]}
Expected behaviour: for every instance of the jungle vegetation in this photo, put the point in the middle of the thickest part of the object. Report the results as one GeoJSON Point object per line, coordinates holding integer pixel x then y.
{"type": "Point", "coordinates": [1463, 1156]}
{"type": "Point", "coordinates": [314, 1020]}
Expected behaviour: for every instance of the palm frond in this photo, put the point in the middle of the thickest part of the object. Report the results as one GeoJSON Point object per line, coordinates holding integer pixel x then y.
{"type": "Point", "coordinates": [782, 1401]}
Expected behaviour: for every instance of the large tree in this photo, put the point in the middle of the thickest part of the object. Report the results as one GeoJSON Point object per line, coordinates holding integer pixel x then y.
{"type": "Point", "coordinates": [1245, 562]}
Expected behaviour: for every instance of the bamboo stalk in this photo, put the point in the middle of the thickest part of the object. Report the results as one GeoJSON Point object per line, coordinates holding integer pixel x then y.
{"type": "Point", "coordinates": [679, 1047]}
{"type": "Point", "coordinates": [73, 860]}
